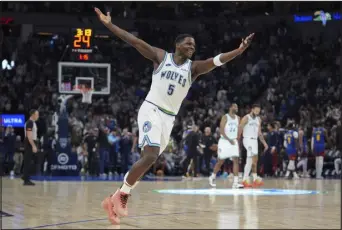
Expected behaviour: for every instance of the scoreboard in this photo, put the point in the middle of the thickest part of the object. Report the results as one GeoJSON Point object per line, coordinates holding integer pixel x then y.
{"type": "Point", "coordinates": [82, 44]}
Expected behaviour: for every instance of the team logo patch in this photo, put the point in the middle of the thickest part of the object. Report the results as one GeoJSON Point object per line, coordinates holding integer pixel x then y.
{"type": "Point", "coordinates": [219, 150]}
{"type": "Point", "coordinates": [250, 148]}
{"type": "Point", "coordinates": [147, 126]}
{"type": "Point", "coordinates": [63, 142]}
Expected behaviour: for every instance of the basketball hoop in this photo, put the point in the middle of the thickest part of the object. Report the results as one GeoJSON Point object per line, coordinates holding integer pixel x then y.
{"type": "Point", "coordinates": [87, 93]}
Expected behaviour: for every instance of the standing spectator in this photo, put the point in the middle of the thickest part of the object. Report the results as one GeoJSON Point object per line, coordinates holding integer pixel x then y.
{"type": "Point", "coordinates": [104, 148]}
{"type": "Point", "coordinates": [192, 141]}
{"type": "Point", "coordinates": [9, 142]}
{"type": "Point", "coordinates": [126, 143]}
{"type": "Point", "coordinates": [114, 141]}
{"type": "Point", "coordinates": [209, 150]}
{"type": "Point", "coordinates": [90, 150]}
{"type": "Point", "coordinates": [18, 156]}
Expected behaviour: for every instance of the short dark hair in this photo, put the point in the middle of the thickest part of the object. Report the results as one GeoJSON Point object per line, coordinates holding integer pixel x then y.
{"type": "Point", "coordinates": [32, 111]}
{"type": "Point", "coordinates": [256, 106]}
{"type": "Point", "coordinates": [181, 38]}
{"type": "Point", "coordinates": [272, 124]}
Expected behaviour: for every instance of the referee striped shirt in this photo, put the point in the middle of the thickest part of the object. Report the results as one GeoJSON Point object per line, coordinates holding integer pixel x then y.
{"type": "Point", "coordinates": [31, 126]}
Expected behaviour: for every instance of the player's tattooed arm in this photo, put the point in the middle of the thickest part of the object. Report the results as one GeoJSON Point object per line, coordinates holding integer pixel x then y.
{"type": "Point", "coordinates": [202, 67]}
{"type": "Point", "coordinates": [261, 137]}
{"type": "Point", "coordinates": [152, 53]}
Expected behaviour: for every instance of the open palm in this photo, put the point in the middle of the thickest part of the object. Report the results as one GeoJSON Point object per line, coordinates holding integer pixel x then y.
{"type": "Point", "coordinates": [246, 42]}
{"type": "Point", "coordinates": [105, 19]}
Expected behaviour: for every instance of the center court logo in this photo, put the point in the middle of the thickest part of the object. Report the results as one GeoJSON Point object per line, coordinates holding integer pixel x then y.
{"type": "Point", "coordinates": [239, 192]}
{"type": "Point", "coordinates": [63, 158]}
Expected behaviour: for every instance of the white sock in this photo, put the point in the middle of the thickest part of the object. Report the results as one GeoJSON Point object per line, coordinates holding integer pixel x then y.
{"type": "Point", "coordinates": [255, 176]}
{"type": "Point", "coordinates": [213, 175]}
{"type": "Point", "coordinates": [319, 166]}
{"type": "Point", "coordinates": [236, 179]}
{"type": "Point", "coordinates": [305, 165]}
{"type": "Point", "coordinates": [291, 165]}
{"type": "Point", "coordinates": [248, 167]}
{"type": "Point", "coordinates": [337, 163]}
{"type": "Point", "coordinates": [126, 188]}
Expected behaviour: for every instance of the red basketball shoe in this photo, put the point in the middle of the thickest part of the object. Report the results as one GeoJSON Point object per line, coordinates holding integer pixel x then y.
{"type": "Point", "coordinates": [108, 207]}
{"type": "Point", "coordinates": [119, 200]}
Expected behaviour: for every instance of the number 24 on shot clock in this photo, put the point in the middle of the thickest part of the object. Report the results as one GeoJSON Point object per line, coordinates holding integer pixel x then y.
{"type": "Point", "coordinates": [82, 38]}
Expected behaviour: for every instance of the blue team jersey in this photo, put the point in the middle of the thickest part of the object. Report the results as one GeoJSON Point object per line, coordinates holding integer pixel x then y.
{"type": "Point", "coordinates": [318, 139]}
{"type": "Point", "coordinates": [290, 142]}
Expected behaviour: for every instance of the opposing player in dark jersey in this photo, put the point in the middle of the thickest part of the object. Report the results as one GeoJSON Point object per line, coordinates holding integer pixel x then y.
{"type": "Point", "coordinates": [291, 146]}
{"type": "Point", "coordinates": [319, 136]}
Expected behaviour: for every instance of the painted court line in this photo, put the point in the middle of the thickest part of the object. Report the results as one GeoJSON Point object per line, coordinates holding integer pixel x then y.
{"type": "Point", "coordinates": [102, 219]}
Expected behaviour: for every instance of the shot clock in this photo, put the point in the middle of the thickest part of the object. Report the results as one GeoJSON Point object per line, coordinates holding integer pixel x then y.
{"type": "Point", "coordinates": [82, 43]}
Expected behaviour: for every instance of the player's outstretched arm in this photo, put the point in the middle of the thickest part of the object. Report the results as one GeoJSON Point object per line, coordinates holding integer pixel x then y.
{"type": "Point", "coordinates": [152, 53]}
{"type": "Point", "coordinates": [205, 66]}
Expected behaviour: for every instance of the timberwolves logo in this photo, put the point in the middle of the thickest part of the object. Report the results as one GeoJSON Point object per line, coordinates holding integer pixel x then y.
{"type": "Point", "coordinates": [63, 158]}
{"type": "Point", "coordinates": [147, 126]}
{"type": "Point", "coordinates": [63, 142]}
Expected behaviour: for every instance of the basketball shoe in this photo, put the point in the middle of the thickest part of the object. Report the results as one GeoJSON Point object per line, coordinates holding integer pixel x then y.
{"type": "Point", "coordinates": [108, 207]}
{"type": "Point", "coordinates": [257, 182]}
{"type": "Point", "coordinates": [119, 200]}
{"type": "Point", "coordinates": [212, 180]}
{"type": "Point", "coordinates": [246, 184]}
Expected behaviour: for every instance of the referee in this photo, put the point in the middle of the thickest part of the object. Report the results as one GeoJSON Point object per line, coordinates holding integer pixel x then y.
{"type": "Point", "coordinates": [30, 145]}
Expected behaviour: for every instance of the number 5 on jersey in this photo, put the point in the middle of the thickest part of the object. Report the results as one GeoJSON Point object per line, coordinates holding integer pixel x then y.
{"type": "Point", "coordinates": [171, 89]}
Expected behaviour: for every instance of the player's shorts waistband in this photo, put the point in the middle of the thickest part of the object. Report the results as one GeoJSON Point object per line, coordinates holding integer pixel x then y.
{"type": "Point", "coordinates": [163, 110]}
{"type": "Point", "coordinates": [252, 138]}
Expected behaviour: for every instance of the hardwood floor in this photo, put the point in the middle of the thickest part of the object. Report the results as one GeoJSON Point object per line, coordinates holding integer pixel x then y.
{"type": "Point", "coordinates": [76, 205]}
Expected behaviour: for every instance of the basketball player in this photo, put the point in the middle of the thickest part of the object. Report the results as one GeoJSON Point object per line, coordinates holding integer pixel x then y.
{"type": "Point", "coordinates": [228, 146]}
{"type": "Point", "coordinates": [303, 151]}
{"type": "Point", "coordinates": [291, 145]}
{"type": "Point", "coordinates": [319, 134]}
{"type": "Point", "coordinates": [250, 127]}
{"type": "Point", "coordinates": [171, 80]}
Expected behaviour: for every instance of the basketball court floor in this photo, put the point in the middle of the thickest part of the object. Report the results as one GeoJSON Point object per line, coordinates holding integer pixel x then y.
{"type": "Point", "coordinates": [173, 203]}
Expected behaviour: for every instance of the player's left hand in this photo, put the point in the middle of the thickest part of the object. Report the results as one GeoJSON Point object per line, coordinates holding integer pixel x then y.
{"type": "Point", "coordinates": [246, 42]}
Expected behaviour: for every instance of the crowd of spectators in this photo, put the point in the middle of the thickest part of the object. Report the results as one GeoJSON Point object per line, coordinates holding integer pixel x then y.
{"type": "Point", "coordinates": [292, 78]}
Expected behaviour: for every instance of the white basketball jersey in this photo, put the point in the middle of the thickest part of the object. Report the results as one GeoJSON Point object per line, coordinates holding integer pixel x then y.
{"type": "Point", "coordinates": [170, 84]}
{"type": "Point", "coordinates": [232, 126]}
{"type": "Point", "coordinates": [251, 129]}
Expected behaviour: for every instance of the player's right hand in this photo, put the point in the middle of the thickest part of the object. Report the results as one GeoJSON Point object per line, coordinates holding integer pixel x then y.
{"type": "Point", "coordinates": [231, 141]}
{"type": "Point", "coordinates": [105, 19]}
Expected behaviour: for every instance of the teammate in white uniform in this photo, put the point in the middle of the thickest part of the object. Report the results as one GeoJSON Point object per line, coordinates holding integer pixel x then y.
{"type": "Point", "coordinates": [172, 77]}
{"type": "Point", "coordinates": [250, 127]}
{"type": "Point", "coordinates": [228, 146]}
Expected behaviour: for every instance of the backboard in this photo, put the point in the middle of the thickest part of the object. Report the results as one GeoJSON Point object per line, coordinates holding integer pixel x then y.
{"type": "Point", "coordinates": [93, 75]}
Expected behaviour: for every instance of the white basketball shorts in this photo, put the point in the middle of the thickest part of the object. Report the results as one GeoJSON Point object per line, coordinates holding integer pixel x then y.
{"type": "Point", "coordinates": [251, 145]}
{"type": "Point", "coordinates": [226, 150]}
{"type": "Point", "coordinates": [155, 126]}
